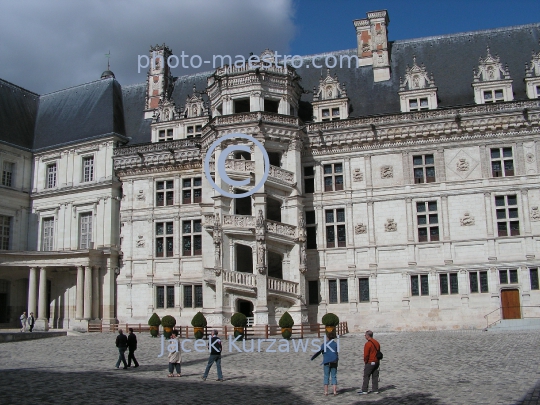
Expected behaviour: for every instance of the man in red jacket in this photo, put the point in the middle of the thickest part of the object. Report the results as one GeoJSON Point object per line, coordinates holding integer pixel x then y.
{"type": "Point", "coordinates": [371, 367]}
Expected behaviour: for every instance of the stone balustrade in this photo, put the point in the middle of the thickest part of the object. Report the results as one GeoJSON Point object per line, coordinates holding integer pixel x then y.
{"type": "Point", "coordinates": [239, 278]}
{"type": "Point", "coordinates": [240, 221]}
{"type": "Point", "coordinates": [284, 286]}
{"type": "Point", "coordinates": [282, 175]}
{"type": "Point", "coordinates": [281, 228]}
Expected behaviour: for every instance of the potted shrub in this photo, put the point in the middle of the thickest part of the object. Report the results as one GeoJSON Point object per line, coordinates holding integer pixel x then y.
{"type": "Point", "coordinates": [198, 322]}
{"type": "Point", "coordinates": [154, 323]}
{"type": "Point", "coordinates": [330, 321]}
{"type": "Point", "coordinates": [168, 322]}
{"type": "Point", "coordinates": [239, 321]}
{"type": "Point", "coordinates": [286, 323]}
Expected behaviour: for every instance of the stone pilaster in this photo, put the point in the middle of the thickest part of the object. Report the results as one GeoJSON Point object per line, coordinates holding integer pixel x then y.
{"type": "Point", "coordinates": [42, 322]}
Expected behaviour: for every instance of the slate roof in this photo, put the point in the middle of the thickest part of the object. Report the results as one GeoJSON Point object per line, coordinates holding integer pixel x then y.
{"type": "Point", "coordinates": [103, 107]}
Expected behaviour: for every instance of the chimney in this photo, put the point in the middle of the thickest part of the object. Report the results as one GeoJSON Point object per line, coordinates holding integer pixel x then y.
{"type": "Point", "coordinates": [372, 36]}
{"type": "Point", "coordinates": [160, 81]}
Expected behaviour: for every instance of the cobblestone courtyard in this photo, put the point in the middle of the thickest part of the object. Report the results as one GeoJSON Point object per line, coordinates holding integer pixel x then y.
{"type": "Point", "coordinates": [419, 368]}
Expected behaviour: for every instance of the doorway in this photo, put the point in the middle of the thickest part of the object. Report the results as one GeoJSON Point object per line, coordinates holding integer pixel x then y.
{"type": "Point", "coordinates": [245, 307]}
{"type": "Point", "coordinates": [510, 305]}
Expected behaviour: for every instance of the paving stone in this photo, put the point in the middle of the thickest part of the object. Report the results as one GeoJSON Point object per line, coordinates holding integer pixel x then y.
{"type": "Point", "coordinates": [419, 368]}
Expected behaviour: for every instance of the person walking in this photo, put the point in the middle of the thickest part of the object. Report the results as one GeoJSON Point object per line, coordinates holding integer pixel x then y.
{"type": "Point", "coordinates": [330, 361]}
{"type": "Point", "coordinates": [132, 346]}
{"type": "Point", "coordinates": [122, 344]}
{"type": "Point", "coordinates": [23, 318]}
{"type": "Point", "coordinates": [31, 321]}
{"type": "Point", "coordinates": [371, 364]}
{"type": "Point", "coordinates": [215, 356]}
{"type": "Point", "coordinates": [175, 357]}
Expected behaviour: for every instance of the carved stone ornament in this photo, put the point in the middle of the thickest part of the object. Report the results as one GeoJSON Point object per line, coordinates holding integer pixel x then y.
{"type": "Point", "coordinates": [530, 158]}
{"type": "Point", "coordinates": [462, 165]}
{"type": "Point", "coordinates": [357, 175]}
{"type": "Point", "coordinates": [467, 220]}
{"type": "Point", "coordinates": [535, 214]}
{"type": "Point", "coordinates": [390, 225]}
{"type": "Point", "coordinates": [360, 228]}
{"type": "Point", "coordinates": [387, 172]}
{"type": "Point", "coordinates": [140, 242]}
{"type": "Point", "coordinates": [140, 195]}
{"type": "Point", "coordinates": [217, 271]}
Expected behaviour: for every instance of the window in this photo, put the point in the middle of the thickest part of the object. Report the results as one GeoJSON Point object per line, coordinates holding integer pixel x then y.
{"type": "Point", "coordinates": [325, 114]}
{"type": "Point", "coordinates": [493, 96]}
{"type": "Point", "coordinates": [51, 175]}
{"type": "Point", "coordinates": [192, 191]}
{"type": "Point", "coordinates": [241, 105]}
{"type": "Point", "coordinates": [428, 221]}
{"type": "Point", "coordinates": [85, 236]}
{"type": "Point", "coordinates": [5, 231]}
{"type": "Point", "coordinates": [271, 105]}
{"type": "Point", "coordinates": [478, 281]}
{"type": "Point", "coordinates": [538, 91]}
{"type": "Point", "coordinates": [194, 131]}
{"type": "Point", "coordinates": [313, 291]}
{"type": "Point", "coordinates": [191, 242]}
{"type": "Point", "coordinates": [309, 179]}
{"type": "Point", "coordinates": [502, 162]}
{"type": "Point", "coordinates": [47, 235]}
{"type": "Point", "coordinates": [534, 279]}
{"type": "Point", "coordinates": [419, 285]}
{"type": "Point", "coordinates": [333, 177]}
{"type": "Point", "coordinates": [165, 135]}
{"type": "Point", "coordinates": [417, 104]}
{"type": "Point", "coordinates": [311, 230]}
{"type": "Point", "coordinates": [424, 169]}
{"type": "Point", "coordinates": [508, 276]}
{"type": "Point", "coordinates": [165, 295]}
{"type": "Point", "coordinates": [333, 227]}
{"type": "Point", "coordinates": [7, 174]}
{"type": "Point", "coordinates": [507, 215]}
{"type": "Point", "coordinates": [193, 296]}
{"type": "Point", "coordinates": [364, 289]}
{"type": "Point", "coordinates": [164, 239]}
{"type": "Point", "coordinates": [88, 168]}
{"type": "Point", "coordinates": [333, 291]}
{"type": "Point", "coordinates": [164, 193]}
{"type": "Point", "coordinates": [449, 288]}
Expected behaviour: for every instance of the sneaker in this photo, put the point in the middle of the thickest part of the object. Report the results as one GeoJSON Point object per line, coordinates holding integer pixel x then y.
{"type": "Point", "coordinates": [220, 379]}
{"type": "Point", "coordinates": [203, 378]}
{"type": "Point", "coordinates": [361, 392]}
{"type": "Point", "coordinates": [373, 392]}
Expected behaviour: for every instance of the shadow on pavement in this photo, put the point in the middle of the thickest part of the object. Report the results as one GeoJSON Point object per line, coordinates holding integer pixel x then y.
{"type": "Point", "coordinates": [532, 397]}
{"type": "Point", "coordinates": [409, 399]}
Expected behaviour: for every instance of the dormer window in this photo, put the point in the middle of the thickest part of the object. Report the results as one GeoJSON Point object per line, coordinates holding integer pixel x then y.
{"type": "Point", "coordinates": [532, 76]}
{"type": "Point", "coordinates": [165, 135]}
{"type": "Point", "coordinates": [492, 82]}
{"type": "Point", "coordinates": [417, 92]}
{"type": "Point", "coordinates": [492, 96]}
{"type": "Point", "coordinates": [330, 101]}
{"type": "Point", "coordinates": [194, 131]}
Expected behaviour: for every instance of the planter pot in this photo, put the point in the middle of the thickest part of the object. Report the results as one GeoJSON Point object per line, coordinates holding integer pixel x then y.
{"type": "Point", "coordinates": [198, 332]}
{"type": "Point", "coordinates": [154, 331]}
{"type": "Point", "coordinates": [286, 333]}
{"type": "Point", "coordinates": [167, 330]}
{"type": "Point", "coordinates": [330, 329]}
{"type": "Point", "coordinates": [239, 330]}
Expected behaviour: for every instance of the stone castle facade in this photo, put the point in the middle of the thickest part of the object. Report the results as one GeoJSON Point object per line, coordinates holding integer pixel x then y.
{"type": "Point", "coordinates": [401, 194]}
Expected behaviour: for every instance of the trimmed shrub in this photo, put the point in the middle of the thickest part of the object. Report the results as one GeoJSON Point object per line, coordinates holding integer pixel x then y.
{"type": "Point", "coordinates": [168, 321]}
{"type": "Point", "coordinates": [239, 320]}
{"type": "Point", "coordinates": [330, 319]}
{"type": "Point", "coordinates": [286, 321]}
{"type": "Point", "coordinates": [198, 321]}
{"type": "Point", "coordinates": [198, 334]}
{"type": "Point", "coordinates": [154, 320]}
{"type": "Point", "coordinates": [286, 334]}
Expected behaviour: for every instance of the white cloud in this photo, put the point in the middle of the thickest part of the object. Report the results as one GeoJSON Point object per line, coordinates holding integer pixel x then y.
{"type": "Point", "coordinates": [47, 46]}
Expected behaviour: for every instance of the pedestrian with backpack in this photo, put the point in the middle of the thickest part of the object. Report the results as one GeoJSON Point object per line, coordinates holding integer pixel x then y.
{"type": "Point", "coordinates": [372, 357]}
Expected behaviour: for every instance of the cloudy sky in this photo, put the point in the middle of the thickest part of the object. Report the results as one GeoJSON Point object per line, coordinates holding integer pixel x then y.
{"type": "Point", "coordinates": [48, 45]}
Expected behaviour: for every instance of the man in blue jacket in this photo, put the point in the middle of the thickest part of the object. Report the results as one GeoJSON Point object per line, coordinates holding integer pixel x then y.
{"type": "Point", "coordinates": [330, 361]}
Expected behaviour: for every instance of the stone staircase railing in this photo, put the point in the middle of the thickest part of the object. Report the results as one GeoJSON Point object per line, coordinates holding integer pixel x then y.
{"type": "Point", "coordinates": [280, 228]}
{"type": "Point", "coordinates": [241, 221]}
{"type": "Point", "coordinates": [285, 286]}
{"type": "Point", "coordinates": [239, 278]}
{"type": "Point", "coordinates": [282, 175]}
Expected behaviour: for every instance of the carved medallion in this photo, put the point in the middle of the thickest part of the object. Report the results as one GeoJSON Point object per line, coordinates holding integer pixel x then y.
{"type": "Point", "coordinates": [530, 158]}
{"type": "Point", "coordinates": [140, 195]}
{"type": "Point", "coordinates": [357, 175]}
{"type": "Point", "coordinates": [387, 172]}
{"type": "Point", "coordinates": [535, 214]}
{"type": "Point", "coordinates": [462, 165]}
{"type": "Point", "coordinates": [140, 242]}
{"type": "Point", "coordinates": [360, 228]}
{"type": "Point", "coordinates": [390, 225]}
{"type": "Point", "coordinates": [467, 220]}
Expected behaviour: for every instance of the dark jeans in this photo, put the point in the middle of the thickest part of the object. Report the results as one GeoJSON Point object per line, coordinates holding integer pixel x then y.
{"type": "Point", "coordinates": [31, 327]}
{"type": "Point", "coordinates": [131, 356]}
{"type": "Point", "coordinates": [372, 371]}
{"type": "Point", "coordinates": [121, 357]}
{"type": "Point", "coordinates": [214, 358]}
{"type": "Point", "coordinates": [173, 366]}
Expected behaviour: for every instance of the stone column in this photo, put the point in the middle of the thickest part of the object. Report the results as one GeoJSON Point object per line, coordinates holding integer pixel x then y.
{"type": "Point", "coordinates": [87, 292]}
{"type": "Point", "coordinates": [95, 293]}
{"type": "Point", "coordinates": [42, 323]}
{"type": "Point", "coordinates": [80, 296]}
{"type": "Point", "coordinates": [32, 290]}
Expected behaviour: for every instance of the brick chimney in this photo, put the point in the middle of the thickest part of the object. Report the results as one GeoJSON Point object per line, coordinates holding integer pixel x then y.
{"type": "Point", "coordinates": [372, 36]}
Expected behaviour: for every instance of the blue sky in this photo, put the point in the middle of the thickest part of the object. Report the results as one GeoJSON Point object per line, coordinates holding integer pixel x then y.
{"type": "Point", "coordinates": [51, 45]}
{"type": "Point", "coordinates": [323, 26]}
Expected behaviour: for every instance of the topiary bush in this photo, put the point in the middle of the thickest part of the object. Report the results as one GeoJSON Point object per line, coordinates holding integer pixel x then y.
{"type": "Point", "coordinates": [168, 321]}
{"type": "Point", "coordinates": [198, 321]}
{"type": "Point", "coordinates": [286, 321]}
{"type": "Point", "coordinates": [286, 334]}
{"type": "Point", "coordinates": [330, 319]}
{"type": "Point", "coordinates": [154, 320]}
{"type": "Point", "coordinates": [239, 320]}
